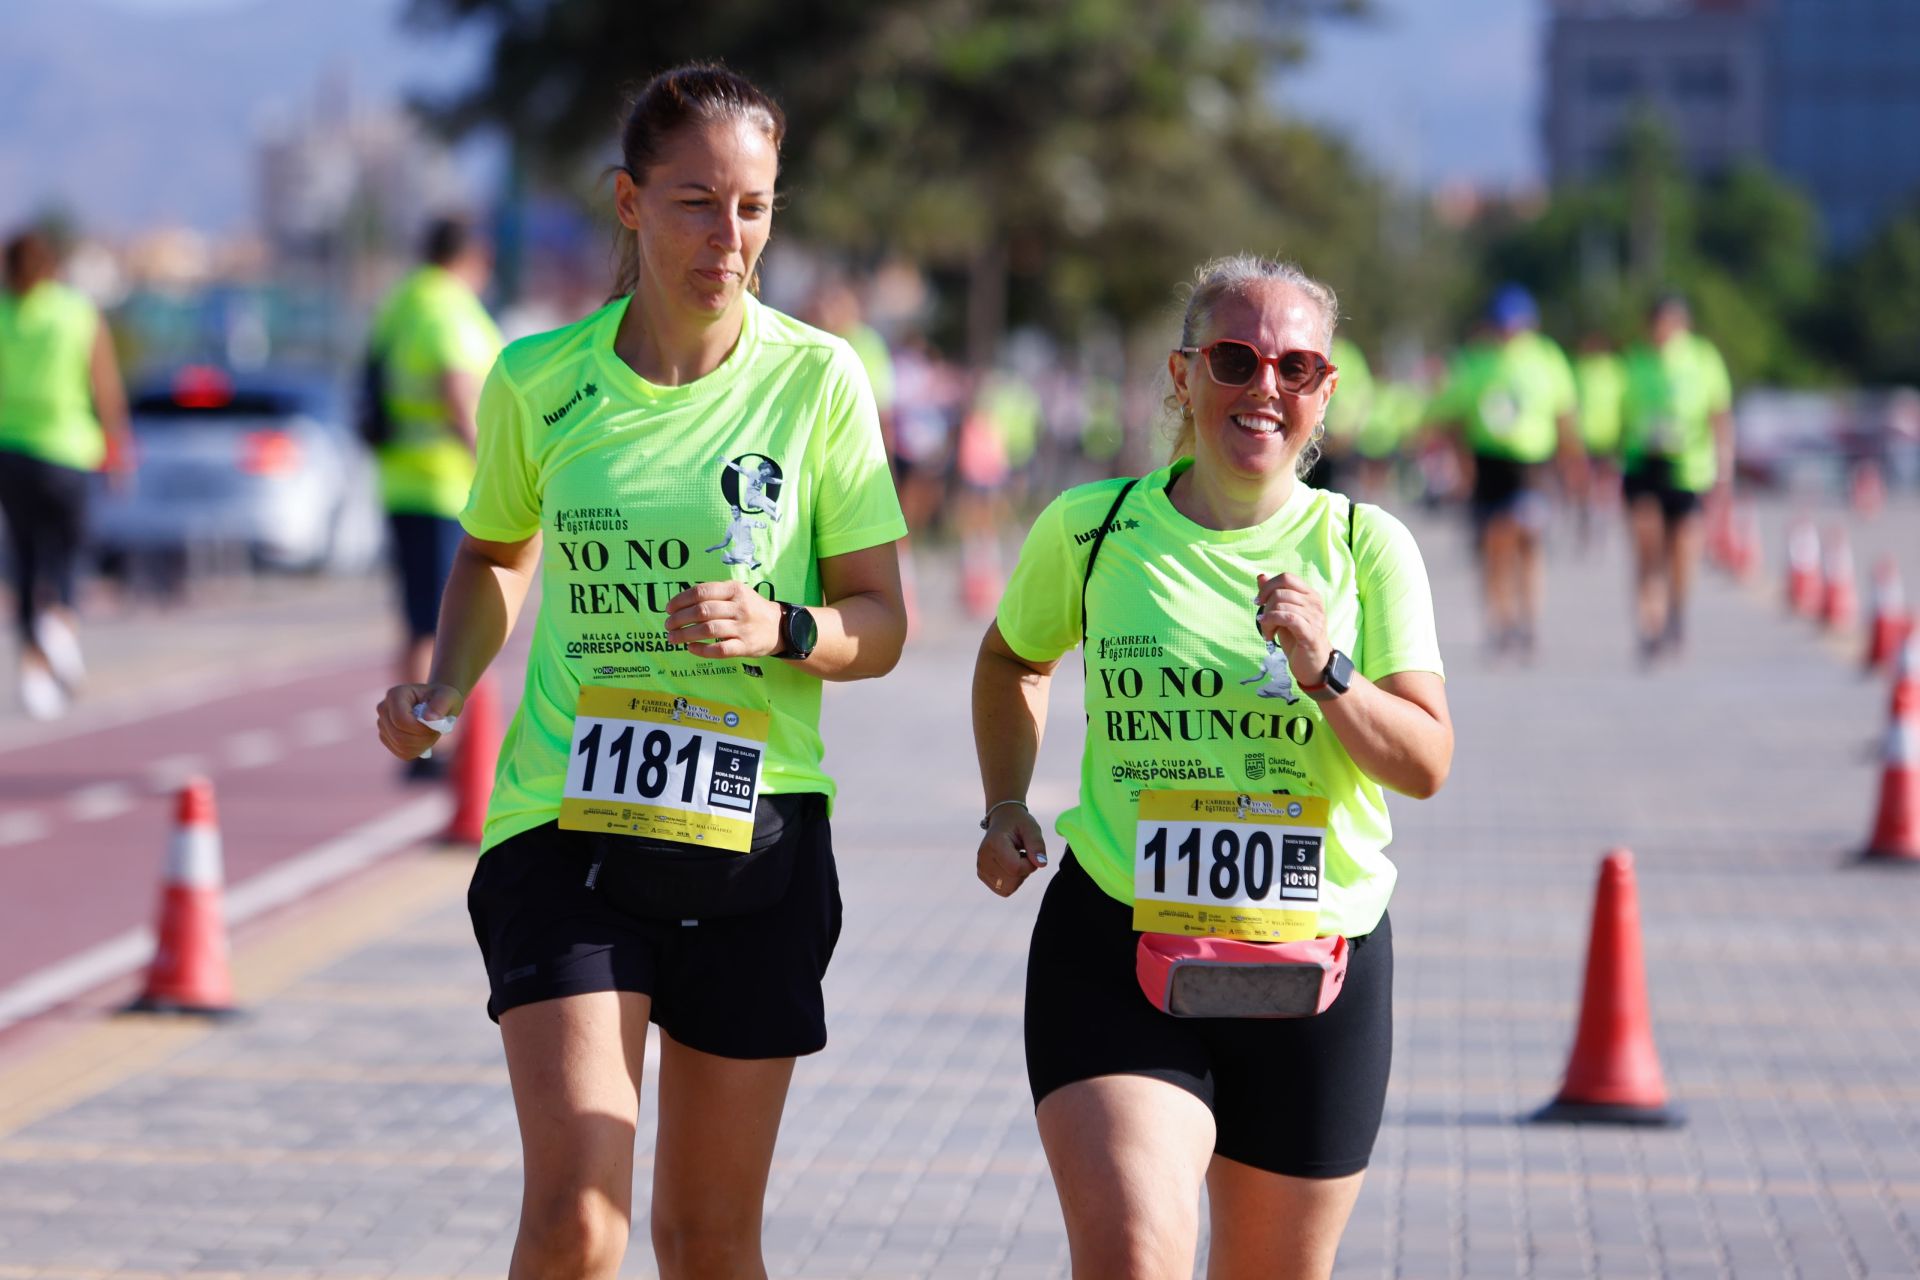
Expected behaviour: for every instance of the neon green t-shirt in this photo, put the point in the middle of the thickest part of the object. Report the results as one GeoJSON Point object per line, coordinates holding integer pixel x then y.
{"type": "Point", "coordinates": [1173, 658]}
{"type": "Point", "coordinates": [1672, 397]}
{"type": "Point", "coordinates": [1509, 396]}
{"type": "Point", "coordinates": [1352, 402]}
{"type": "Point", "coordinates": [1602, 386]}
{"type": "Point", "coordinates": [1397, 407]}
{"type": "Point", "coordinates": [430, 325]}
{"type": "Point", "coordinates": [755, 472]}
{"type": "Point", "coordinates": [46, 388]}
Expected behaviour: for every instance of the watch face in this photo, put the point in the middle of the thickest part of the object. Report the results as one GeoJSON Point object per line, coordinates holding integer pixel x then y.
{"type": "Point", "coordinates": [802, 630]}
{"type": "Point", "coordinates": [1339, 671]}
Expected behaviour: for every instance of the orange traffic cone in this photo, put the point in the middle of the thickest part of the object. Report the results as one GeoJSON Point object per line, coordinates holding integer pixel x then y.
{"type": "Point", "coordinates": [1867, 489]}
{"type": "Point", "coordinates": [1746, 547]}
{"type": "Point", "coordinates": [1839, 599]}
{"type": "Point", "coordinates": [1891, 621]}
{"type": "Point", "coordinates": [1803, 568]}
{"type": "Point", "coordinates": [980, 576]}
{"type": "Point", "coordinates": [189, 973]}
{"type": "Point", "coordinates": [1896, 823]}
{"type": "Point", "coordinates": [1613, 1075]}
{"type": "Point", "coordinates": [475, 757]}
{"type": "Point", "coordinates": [1906, 678]}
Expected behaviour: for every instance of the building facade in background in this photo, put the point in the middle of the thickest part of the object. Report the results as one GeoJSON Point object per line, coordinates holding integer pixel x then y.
{"type": "Point", "coordinates": [1826, 92]}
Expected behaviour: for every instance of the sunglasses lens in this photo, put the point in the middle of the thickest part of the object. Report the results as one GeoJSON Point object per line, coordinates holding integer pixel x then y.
{"type": "Point", "coordinates": [1298, 370]}
{"type": "Point", "coordinates": [1233, 364]}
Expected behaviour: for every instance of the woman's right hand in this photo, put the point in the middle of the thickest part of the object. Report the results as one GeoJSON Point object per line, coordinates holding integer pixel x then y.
{"type": "Point", "coordinates": [401, 731]}
{"type": "Point", "coordinates": [1013, 849]}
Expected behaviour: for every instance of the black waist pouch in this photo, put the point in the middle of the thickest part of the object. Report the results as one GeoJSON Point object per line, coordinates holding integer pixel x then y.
{"type": "Point", "coordinates": [667, 880]}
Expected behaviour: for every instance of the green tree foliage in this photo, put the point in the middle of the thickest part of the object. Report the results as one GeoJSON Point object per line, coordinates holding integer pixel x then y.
{"type": "Point", "coordinates": [1878, 319]}
{"type": "Point", "coordinates": [1055, 158]}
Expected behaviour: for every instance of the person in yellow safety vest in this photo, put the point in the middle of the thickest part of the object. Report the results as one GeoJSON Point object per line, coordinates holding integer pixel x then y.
{"type": "Point", "coordinates": [1676, 445]}
{"type": "Point", "coordinates": [63, 414]}
{"type": "Point", "coordinates": [435, 342]}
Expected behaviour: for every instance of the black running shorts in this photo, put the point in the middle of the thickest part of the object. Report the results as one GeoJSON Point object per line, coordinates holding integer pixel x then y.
{"type": "Point", "coordinates": [743, 986]}
{"type": "Point", "coordinates": [1295, 1096]}
{"type": "Point", "coordinates": [1653, 478]}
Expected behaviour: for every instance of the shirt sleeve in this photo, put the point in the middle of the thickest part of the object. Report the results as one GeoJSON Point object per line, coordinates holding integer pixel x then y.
{"type": "Point", "coordinates": [1396, 602]}
{"type": "Point", "coordinates": [504, 503]}
{"type": "Point", "coordinates": [1719, 383]}
{"type": "Point", "coordinates": [855, 505]}
{"type": "Point", "coordinates": [1039, 614]}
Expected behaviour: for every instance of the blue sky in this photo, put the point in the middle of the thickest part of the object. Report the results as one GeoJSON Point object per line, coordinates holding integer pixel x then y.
{"type": "Point", "coordinates": [132, 113]}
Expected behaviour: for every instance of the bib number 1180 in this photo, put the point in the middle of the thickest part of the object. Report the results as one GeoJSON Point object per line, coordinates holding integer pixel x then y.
{"type": "Point", "coordinates": [1232, 866]}
{"type": "Point", "coordinates": [650, 776]}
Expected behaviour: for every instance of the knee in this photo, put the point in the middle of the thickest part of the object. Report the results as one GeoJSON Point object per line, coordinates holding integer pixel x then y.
{"type": "Point", "coordinates": [695, 1245]}
{"type": "Point", "coordinates": [573, 1234]}
{"type": "Point", "coordinates": [1137, 1251]}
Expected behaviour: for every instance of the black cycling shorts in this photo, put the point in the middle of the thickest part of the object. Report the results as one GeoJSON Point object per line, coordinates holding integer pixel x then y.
{"type": "Point", "coordinates": [741, 986]}
{"type": "Point", "coordinates": [1295, 1096]}
{"type": "Point", "coordinates": [1653, 478]}
{"type": "Point", "coordinates": [423, 549]}
{"type": "Point", "coordinates": [1508, 489]}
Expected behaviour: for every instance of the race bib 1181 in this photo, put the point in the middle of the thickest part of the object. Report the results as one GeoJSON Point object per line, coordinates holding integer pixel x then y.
{"type": "Point", "coordinates": [664, 766]}
{"type": "Point", "coordinates": [1229, 864]}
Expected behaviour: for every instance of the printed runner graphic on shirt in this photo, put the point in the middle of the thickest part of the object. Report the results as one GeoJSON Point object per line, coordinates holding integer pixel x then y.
{"type": "Point", "coordinates": [751, 485]}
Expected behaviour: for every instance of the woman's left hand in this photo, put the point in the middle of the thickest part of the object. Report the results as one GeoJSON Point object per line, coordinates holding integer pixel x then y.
{"type": "Point", "coordinates": [724, 620]}
{"type": "Point", "coordinates": [1292, 613]}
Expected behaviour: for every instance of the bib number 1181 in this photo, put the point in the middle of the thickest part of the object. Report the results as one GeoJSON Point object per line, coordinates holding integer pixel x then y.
{"type": "Point", "coordinates": [650, 778]}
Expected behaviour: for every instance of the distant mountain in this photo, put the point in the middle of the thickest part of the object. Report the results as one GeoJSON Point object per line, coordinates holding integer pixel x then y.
{"type": "Point", "coordinates": [135, 114]}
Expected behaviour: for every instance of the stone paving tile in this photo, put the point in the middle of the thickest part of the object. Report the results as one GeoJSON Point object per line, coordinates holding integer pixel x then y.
{"type": "Point", "coordinates": [358, 1125]}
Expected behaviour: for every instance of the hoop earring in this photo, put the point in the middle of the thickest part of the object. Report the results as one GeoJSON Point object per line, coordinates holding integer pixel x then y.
{"type": "Point", "coordinates": [1319, 429]}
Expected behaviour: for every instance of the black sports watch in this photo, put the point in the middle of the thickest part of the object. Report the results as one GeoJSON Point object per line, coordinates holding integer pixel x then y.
{"type": "Point", "coordinates": [1335, 679]}
{"type": "Point", "coordinates": [798, 633]}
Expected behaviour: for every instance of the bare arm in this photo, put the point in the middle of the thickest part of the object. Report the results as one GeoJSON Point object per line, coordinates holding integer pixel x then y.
{"type": "Point", "coordinates": [1398, 730]}
{"type": "Point", "coordinates": [863, 624]}
{"type": "Point", "coordinates": [485, 590]}
{"type": "Point", "coordinates": [1009, 719]}
{"type": "Point", "coordinates": [110, 399]}
{"type": "Point", "coordinates": [461, 390]}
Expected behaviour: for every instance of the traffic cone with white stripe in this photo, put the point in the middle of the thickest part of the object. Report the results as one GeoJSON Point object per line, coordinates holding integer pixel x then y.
{"type": "Point", "coordinates": [1891, 621]}
{"type": "Point", "coordinates": [190, 972]}
{"type": "Point", "coordinates": [476, 756]}
{"type": "Point", "coordinates": [1803, 568]}
{"type": "Point", "coordinates": [1839, 597]}
{"type": "Point", "coordinates": [1896, 823]}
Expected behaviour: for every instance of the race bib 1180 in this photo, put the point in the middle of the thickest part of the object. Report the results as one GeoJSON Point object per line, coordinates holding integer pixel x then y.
{"type": "Point", "coordinates": [664, 766]}
{"type": "Point", "coordinates": [1229, 864]}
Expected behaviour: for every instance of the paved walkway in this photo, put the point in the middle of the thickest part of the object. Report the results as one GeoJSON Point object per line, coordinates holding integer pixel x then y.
{"type": "Point", "coordinates": [357, 1124]}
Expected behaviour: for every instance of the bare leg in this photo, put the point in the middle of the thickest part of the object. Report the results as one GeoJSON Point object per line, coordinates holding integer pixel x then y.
{"type": "Point", "coordinates": [1682, 553]}
{"type": "Point", "coordinates": [1649, 572]}
{"type": "Point", "coordinates": [576, 1064]}
{"type": "Point", "coordinates": [1529, 580]}
{"type": "Point", "coordinates": [1266, 1226]}
{"type": "Point", "coordinates": [1499, 560]}
{"type": "Point", "coordinates": [718, 1121]}
{"type": "Point", "coordinates": [1128, 1155]}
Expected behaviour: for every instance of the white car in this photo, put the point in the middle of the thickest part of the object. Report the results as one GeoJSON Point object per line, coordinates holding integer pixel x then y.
{"type": "Point", "coordinates": [256, 465]}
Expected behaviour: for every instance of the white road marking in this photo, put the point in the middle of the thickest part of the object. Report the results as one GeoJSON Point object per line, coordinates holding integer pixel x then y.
{"type": "Point", "coordinates": [100, 801]}
{"type": "Point", "coordinates": [19, 828]}
{"type": "Point", "coordinates": [368, 843]}
{"type": "Point", "coordinates": [322, 727]}
{"type": "Point", "coordinates": [253, 748]}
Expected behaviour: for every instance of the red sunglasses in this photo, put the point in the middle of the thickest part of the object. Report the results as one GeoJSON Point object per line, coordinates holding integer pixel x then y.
{"type": "Point", "coordinates": [1233, 363]}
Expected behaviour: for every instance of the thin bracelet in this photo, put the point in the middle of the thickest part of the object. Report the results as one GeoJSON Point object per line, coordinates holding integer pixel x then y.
{"type": "Point", "coordinates": [1001, 805]}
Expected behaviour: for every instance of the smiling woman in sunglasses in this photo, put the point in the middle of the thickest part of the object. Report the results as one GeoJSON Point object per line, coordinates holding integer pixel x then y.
{"type": "Point", "coordinates": [1209, 988]}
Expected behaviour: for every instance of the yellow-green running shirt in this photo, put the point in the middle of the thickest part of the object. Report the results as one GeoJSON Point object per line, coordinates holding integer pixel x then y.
{"type": "Point", "coordinates": [755, 472]}
{"type": "Point", "coordinates": [430, 325]}
{"type": "Point", "coordinates": [46, 390]}
{"type": "Point", "coordinates": [1509, 396]}
{"type": "Point", "coordinates": [1174, 665]}
{"type": "Point", "coordinates": [1602, 386]}
{"type": "Point", "coordinates": [1672, 397]}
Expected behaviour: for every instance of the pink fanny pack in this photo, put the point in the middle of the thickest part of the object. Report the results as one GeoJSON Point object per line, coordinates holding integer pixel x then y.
{"type": "Point", "coordinates": [1230, 978]}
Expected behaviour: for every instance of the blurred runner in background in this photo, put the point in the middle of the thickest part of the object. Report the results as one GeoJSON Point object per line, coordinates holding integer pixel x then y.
{"type": "Point", "coordinates": [1510, 399]}
{"type": "Point", "coordinates": [1347, 416]}
{"type": "Point", "coordinates": [1676, 446]}
{"type": "Point", "coordinates": [435, 342]}
{"type": "Point", "coordinates": [63, 413]}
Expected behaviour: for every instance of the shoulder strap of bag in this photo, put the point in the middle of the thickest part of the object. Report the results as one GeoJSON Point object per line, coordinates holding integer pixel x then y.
{"type": "Point", "coordinates": [1100, 536]}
